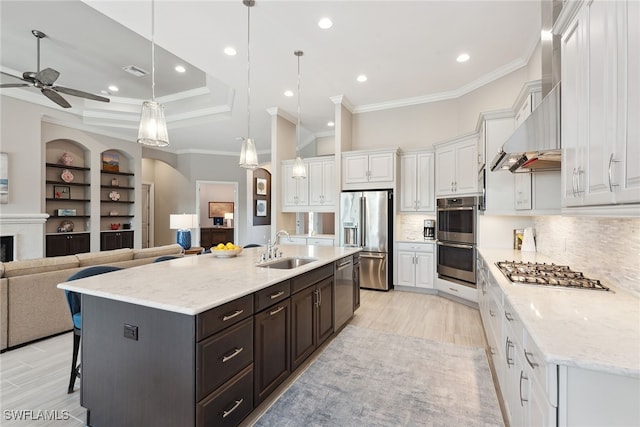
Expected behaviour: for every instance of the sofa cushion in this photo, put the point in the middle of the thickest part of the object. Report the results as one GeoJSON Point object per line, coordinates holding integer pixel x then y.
{"type": "Point", "coordinates": [105, 257]}
{"type": "Point", "coordinates": [40, 265]}
{"type": "Point", "coordinates": [1, 269]}
{"type": "Point", "coordinates": [157, 251]}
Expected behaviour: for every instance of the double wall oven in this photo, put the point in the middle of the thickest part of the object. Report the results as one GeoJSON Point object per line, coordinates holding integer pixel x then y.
{"type": "Point", "coordinates": [456, 236]}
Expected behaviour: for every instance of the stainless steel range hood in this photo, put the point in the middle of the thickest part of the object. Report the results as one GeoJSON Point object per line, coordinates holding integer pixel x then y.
{"type": "Point", "coordinates": [535, 145]}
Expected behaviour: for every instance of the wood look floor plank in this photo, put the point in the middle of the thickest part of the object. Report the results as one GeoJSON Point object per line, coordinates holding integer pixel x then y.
{"type": "Point", "coordinates": [35, 377]}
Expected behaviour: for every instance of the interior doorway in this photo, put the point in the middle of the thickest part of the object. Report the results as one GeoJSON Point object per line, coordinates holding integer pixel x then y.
{"type": "Point", "coordinates": [147, 215]}
{"type": "Point", "coordinates": [216, 192]}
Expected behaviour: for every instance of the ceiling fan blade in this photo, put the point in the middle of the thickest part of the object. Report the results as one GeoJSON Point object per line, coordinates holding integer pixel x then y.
{"type": "Point", "coordinates": [56, 97]}
{"type": "Point", "coordinates": [47, 76]}
{"type": "Point", "coordinates": [80, 93]}
{"type": "Point", "coordinates": [11, 75]}
{"type": "Point", "coordinates": [15, 85]}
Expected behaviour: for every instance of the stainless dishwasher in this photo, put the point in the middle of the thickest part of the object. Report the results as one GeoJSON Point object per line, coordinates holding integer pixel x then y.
{"type": "Point", "coordinates": [343, 296]}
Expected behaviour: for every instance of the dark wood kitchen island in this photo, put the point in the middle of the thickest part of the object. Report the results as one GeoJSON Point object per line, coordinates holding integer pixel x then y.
{"type": "Point", "coordinates": [199, 340]}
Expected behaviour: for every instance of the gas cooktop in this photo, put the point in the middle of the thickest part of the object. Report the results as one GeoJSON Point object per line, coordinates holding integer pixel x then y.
{"type": "Point", "coordinates": [547, 275]}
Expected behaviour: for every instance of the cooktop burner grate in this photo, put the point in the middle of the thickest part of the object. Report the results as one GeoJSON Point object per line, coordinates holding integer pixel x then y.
{"type": "Point", "coordinates": [547, 275]}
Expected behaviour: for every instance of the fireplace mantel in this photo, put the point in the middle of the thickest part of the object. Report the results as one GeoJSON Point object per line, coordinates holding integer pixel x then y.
{"type": "Point", "coordinates": [28, 234]}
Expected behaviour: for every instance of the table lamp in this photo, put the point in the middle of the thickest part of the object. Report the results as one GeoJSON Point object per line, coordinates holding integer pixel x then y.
{"type": "Point", "coordinates": [228, 216]}
{"type": "Point", "coordinates": [183, 223]}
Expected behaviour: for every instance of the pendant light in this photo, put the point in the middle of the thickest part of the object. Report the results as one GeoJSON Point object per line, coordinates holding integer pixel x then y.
{"type": "Point", "coordinates": [299, 168]}
{"type": "Point", "coordinates": [248, 154]}
{"type": "Point", "coordinates": [153, 126]}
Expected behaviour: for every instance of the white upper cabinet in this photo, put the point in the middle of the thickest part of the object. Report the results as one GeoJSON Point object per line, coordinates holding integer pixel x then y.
{"type": "Point", "coordinates": [369, 170]}
{"type": "Point", "coordinates": [600, 98]}
{"type": "Point", "coordinates": [295, 197]}
{"type": "Point", "coordinates": [457, 167]}
{"type": "Point", "coordinates": [417, 182]}
{"type": "Point", "coordinates": [322, 185]}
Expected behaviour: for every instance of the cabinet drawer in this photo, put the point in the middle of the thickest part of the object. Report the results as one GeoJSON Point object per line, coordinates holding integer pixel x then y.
{"type": "Point", "coordinates": [512, 321]}
{"type": "Point", "coordinates": [271, 295]}
{"type": "Point", "coordinates": [307, 279]}
{"type": "Point", "coordinates": [545, 374]}
{"type": "Point", "coordinates": [319, 242]}
{"type": "Point", "coordinates": [415, 247]}
{"type": "Point", "coordinates": [294, 241]}
{"type": "Point", "coordinates": [230, 404]}
{"type": "Point", "coordinates": [216, 319]}
{"type": "Point", "coordinates": [222, 356]}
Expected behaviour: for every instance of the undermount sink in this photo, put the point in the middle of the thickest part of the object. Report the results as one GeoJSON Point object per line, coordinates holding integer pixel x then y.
{"type": "Point", "coordinates": [287, 263]}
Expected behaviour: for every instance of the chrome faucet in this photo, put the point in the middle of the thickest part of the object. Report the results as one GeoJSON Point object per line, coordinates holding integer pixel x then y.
{"type": "Point", "coordinates": [272, 249]}
{"type": "Point", "coordinates": [276, 239]}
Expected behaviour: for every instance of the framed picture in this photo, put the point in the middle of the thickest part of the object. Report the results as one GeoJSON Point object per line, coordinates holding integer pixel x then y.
{"type": "Point", "coordinates": [261, 186]}
{"type": "Point", "coordinates": [110, 162]}
{"type": "Point", "coordinates": [4, 178]}
{"type": "Point", "coordinates": [218, 209]}
{"type": "Point", "coordinates": [61, 192]}
{"type": "Point", "coordinates": [261, 208]}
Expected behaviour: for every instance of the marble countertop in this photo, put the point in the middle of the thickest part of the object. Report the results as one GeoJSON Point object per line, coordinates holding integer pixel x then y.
{"type": "Point", "coordinates": [194, 284]}
{"type": "Point", "coordinates": [588, 329]}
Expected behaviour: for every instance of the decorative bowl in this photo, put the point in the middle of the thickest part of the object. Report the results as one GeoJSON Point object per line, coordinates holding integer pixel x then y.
{"type": "Point", "coordinates": [225, 253]}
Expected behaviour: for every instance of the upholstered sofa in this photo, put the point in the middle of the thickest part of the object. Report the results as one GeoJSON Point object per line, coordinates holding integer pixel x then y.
{"type": "Point", "coordinates": [31, 305]}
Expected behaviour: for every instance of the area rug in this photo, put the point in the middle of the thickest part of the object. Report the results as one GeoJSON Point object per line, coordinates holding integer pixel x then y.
{"type": "Point", "coordinates": [366, 377]}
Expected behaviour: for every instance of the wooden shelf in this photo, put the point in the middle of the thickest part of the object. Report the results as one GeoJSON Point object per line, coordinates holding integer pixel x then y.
{"type": "Point", "coordinates": [116, 216]}
{"type": "Point", "coordinates": [117, 201]}
{"type": "Point", "coordinates": [77, 184]}
{"type": "Point", "coordinates": [68, 216]}
{"type": "Point", "coordinates": [117, 173]}
{"type": "Point", "coordinates": [59, 166]}
{"type": "Point", "coordinates": [51, 199]}
{"type": "Point", "coordinates": [117, 187]}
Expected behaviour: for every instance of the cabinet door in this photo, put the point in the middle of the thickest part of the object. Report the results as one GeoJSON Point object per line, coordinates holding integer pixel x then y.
{"type": "Point", "coordinates": [296, 191]}
{"type": "Point", "coordinates": [356, 286]}
{"type": "Point", "coordinates": [424, 184]}
{"type": "Point", "coordinates": [381, 167]}
{"type": "Point", "coordinates": [316, 190]}
{"type": "Point", "coordinates": [126, 239]}
{"type": "Point", "coordinates": [466, 179]}
{"type": "Point", "coordinates": [522, 191]}
{"type": "Point", "coordinates": [445, 164]}
{"type": "Point", "coordinates": [424, 270]}
{"type": "Point", "coordinates": [56, 245]}
{"type": "Point", "coordinates": [355, 169]}
{"type": "Point", "coordinates": [408, 182]}
{"type": "Point", "coordinates": [303, 306]}
{"type": "Point", "coordinates": [324, 312]}
{"type": "Point", "coordinates": [272, 363]}
{"type": "Point", "coordinates": [406, 268]}
{"type": "Point", "coordinates": [80, 243]}
{"type": "Point", "coordinates": [329, 191]}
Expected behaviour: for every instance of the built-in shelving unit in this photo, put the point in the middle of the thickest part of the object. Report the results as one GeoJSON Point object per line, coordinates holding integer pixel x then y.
{"type": "Point", "coordinates": [116, 202]}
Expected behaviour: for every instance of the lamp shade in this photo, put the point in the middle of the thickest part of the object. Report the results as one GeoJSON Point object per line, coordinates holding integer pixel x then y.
{"type": "Point", "coordinates": [153, 126]}
{"type": "Point", "coordinates": [248, 154]}
{"type": "Point", "coordinates": [228, 215]}
{"type": "Point", "coordinates": [183, 221]}
{"type": "Point", "coordinates": [299, 169]}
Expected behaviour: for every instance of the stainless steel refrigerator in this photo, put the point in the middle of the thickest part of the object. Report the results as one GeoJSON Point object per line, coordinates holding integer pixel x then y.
{"type": "Point", "coordinates": [366, 222]}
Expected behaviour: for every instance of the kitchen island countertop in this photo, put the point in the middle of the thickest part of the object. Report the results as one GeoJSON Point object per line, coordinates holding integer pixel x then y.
{"type": "Point", "coordinates": [192, 285]}
{"type": "Point", "coordinates": [589, 329]}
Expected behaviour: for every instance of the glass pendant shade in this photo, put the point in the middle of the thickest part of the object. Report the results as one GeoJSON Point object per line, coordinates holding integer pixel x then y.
{"type": "Point", "coordinates": [248, 154]}
{"type": "Point", "coordinates": [299, 169]}
{"type": "Point", "coordinates": [153, 126]}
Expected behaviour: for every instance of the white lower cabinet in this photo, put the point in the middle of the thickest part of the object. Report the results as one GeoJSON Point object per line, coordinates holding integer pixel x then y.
{"type": "Point", "coordinates": [316, 241]}
{"type": "Point", "coordinates": [415, 264]}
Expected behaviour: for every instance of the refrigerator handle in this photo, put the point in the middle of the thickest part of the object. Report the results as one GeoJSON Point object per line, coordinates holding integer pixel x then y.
{"type": "Point", "coordinates": [363, 221]}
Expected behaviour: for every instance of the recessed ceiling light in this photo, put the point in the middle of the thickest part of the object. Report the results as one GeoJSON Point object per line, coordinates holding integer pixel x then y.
{"type": "Point", "coordinates": [180, 69]}
{"type": "Point", "coordinates": [463, 57]}
{"type": "Point", "coordinates": [325, 23]}
{"type": "Point", "coordinates": [288, 93]}
{"type": "Point", "coordinates": [361, 78]}
{"type": "Point", "coordinates": [113, 88]}
{"type": "Point", "coordinates": [230, 51]}
{"type": "Point", "coordinates": [331, 124]}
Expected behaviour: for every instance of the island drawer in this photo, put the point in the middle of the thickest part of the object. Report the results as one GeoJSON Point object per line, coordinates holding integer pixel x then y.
{"type": "Point", "coordinates": [220, 357]}
{"type": "Point", "coordinates": [271, 295]}
{"type": "Point", "coordinates": [230, 404]}
{"type": "Point", "coordinates": [216, 319]}
{"type": "Point", "coordinates": [305, 280]}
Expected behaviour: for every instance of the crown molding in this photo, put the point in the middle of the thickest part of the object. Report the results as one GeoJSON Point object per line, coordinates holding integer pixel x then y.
{"type": "Point", "coordinates": [342, 100]}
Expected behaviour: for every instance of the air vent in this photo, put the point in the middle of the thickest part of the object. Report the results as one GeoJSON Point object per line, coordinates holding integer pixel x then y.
{"type": "Point", "coordinates": [136, 71]}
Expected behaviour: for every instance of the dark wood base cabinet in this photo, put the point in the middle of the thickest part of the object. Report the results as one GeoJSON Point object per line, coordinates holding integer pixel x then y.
{"type": "Point", "coordinates": [212, 236]}
{"type": "Point", "coordinates": [147, 366]}
{"type": "Point", "coordinates": [110, 240]}
{"type": "Point", "coordinates": [68, 244]}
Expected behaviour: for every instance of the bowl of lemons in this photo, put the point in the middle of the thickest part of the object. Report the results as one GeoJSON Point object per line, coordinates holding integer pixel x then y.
{"type": "Point", "coordinates": [226, 250]}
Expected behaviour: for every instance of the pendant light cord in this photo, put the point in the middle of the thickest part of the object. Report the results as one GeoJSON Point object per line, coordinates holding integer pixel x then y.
{"type": "Point", "coordinates": [249, 71]}
{"type": "Point", "coordinates": [153, 53]}
{"type": "Point", "coordinates": [298, 53]}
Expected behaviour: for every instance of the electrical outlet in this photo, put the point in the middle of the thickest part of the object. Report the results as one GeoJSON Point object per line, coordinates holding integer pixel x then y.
{"type": "Point", "coordinates": [131, 332]}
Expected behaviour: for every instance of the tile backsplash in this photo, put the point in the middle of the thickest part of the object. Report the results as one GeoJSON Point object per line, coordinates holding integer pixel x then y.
{"type": "Point", "coordinates": [410, 226]}
{"type": "Point", "coordinates": [607, 249]}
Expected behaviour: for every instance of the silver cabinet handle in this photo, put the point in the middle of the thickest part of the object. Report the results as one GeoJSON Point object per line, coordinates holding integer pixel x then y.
{"type": "Point", "coordinates": [231, 316]}
{"type": "Point", "coordinates": [235, 352]}
{"type": "Point", "coordinates": [611, 161]}
{"type": "Point", "coordinates": [492, 350]}
{"type": "Point", "coordinates": [276, 311]}
{"type": "Point", "coordinates": [508, 316]}
{"type": "Point", "coordinates": [225, 414]}
{"type": "Point", "coordinates": [573, 182]}
{"type": "Point", "coordinates": [526, 356]}
{"type": "Point", "coordinates": [453, 289]}
{"type": "Point", "coordinates": [276, 295]}
{"type": "Point", "coordinates": [508, 346]}
{"type": "Point", "coordinates": [522, 377]}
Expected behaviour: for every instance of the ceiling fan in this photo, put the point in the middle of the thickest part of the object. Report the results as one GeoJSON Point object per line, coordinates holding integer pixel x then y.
{"type": "Point", "coordinates": [44, 79]}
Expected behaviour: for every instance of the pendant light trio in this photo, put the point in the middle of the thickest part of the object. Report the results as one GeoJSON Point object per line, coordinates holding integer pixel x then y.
{"type": "Point", "coordinates": [153, 126]}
